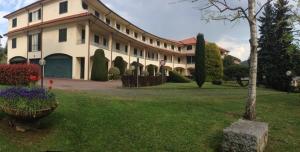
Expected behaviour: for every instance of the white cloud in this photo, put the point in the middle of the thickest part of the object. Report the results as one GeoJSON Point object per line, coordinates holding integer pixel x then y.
{"type": "Point", "coordinates": [237, 48]}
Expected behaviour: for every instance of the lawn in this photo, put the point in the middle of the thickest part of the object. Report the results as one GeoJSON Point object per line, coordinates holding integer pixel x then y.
{"type": "Point", "coordinates": [172, 117]}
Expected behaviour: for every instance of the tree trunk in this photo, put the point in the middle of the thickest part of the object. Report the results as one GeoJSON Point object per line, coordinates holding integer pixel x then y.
{"type": "Point", "coordinates": [251, 101]}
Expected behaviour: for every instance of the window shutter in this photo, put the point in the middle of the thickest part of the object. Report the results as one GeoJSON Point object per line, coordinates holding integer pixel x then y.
{"type": "Point", "coordinates": [30, 17]}
{"type": "Point", "coordinates": [29, 43]}
{"type": "Point", "coordinates": [40, 14]}
{"type": "Point", "coordinates": [39, 42]}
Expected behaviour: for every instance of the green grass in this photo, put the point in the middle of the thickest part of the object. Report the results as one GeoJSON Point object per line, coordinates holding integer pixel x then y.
{"type": "Point", "coordinates": [172, 117]}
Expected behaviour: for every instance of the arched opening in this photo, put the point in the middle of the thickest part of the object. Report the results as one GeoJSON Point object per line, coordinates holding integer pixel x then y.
{"type": "Point", "coordinates": [58, 66]}
{"type": "Point", "coordinates": [152, 69]}
{"type": "Point", "coordinates": [180, 70]}
{"type": "Point", "coordinates": [141, 66]}
{"type": "Point", "coordinates": [18, 60]}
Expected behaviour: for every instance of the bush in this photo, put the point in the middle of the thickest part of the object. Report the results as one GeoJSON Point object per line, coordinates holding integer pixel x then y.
{"type": "Point", "coordinates": [151, 69]}
{"type": "Point", "coordinates": [114, 73]}
{"type": "Point", "coordinates": [130, 81]}
{"type": "Point", "coordinates": [217, 82]}
{"type": "Point", "coordinates": [237, 72]}
{"type": "Point", "coordinates": [19, 74]}
{"type": "Point", "coordinates": [214, 65]}
{"type": "Point", "coordinates": [145, 73]}
{"type": "Point", "coordinates": [200, 69]}
{"type": "Point", "coordinates": [120, 64]}
{"type": "Point", "coordinates": [128, 72]}
{"type": "Point", "coordinates": [99, 69]}
{"type": "Point", "coordinates": [177, 78]}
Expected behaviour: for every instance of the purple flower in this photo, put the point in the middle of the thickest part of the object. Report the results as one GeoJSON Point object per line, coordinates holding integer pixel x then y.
{"type": "Point", "coordinates": [28, 94]}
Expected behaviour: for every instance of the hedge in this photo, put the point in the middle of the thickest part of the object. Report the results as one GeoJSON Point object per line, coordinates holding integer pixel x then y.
{"type": "Point", "coordinates": [177, 78]}
{"type": "Point", "coordinates": [100, 68]}
{"type": "Point", "coordinates": [130, 81]}
{"type": "Point", "coordinates": [19, 74]}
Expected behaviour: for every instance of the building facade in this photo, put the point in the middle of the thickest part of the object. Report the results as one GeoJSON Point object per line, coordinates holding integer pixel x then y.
{"type": "Point", "coordinates": [66, 34]}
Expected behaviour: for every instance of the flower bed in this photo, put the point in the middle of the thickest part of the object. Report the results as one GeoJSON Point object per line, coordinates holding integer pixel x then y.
{"type": "Point", "coordinates": [27, 103]}
{"type": "Point", "coordinates": [130, 81]}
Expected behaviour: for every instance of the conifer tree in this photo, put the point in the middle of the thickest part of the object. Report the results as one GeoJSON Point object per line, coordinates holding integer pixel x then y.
{"type": "Point", "coordinates": [200, 70]}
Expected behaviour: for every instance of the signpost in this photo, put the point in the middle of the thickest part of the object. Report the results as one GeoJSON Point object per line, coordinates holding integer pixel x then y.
{"type": "Point", "coordinates": [42, 63]}
{"type": "Point", "coordinates": [137, 72]}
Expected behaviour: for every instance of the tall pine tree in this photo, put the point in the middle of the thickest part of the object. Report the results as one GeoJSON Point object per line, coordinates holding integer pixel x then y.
{"type": "Point", "coordinates": [266, 44]}
{"type": "Point", "coordinates": [281, 58]}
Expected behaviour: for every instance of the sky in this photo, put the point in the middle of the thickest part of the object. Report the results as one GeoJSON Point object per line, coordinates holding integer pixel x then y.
{"type": "Point", "coordinates": [169, 20]}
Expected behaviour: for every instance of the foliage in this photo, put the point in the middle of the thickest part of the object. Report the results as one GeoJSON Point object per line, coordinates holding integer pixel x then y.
{"type": "Point", "coordinates": [18, 74]}
{"type": "Point", "coordinates": [217, 82]}
{"type": "Point", "coordinates": [214, 65]}
{"type": "Point", "coordinates": [266, 43]}
{"type": "Point", "coordinates": [177, 78]}
{"type": "Point", "coordinates": [121, 64]}
{"type": "Point", "coordinates": [236, 72]}
{"type": "Point", "coordinates": [228, 61]}
{"type": "Point", "coordinates": [145, 73]}
{"type": "Point", "coordinates": [130, 81]}
{"type": "Point", "coordinates": [151, 69]}
{"type": "Point", "coordinates": [27, 99]}
{"type": "Point", "coordinates": [200, 68]}
{"type": "Point", "coordinates": [99, 69]}
{"type": "Point", "coordinates": [114, 73]}
{"type": "Point", "coordinates": [128, 72]}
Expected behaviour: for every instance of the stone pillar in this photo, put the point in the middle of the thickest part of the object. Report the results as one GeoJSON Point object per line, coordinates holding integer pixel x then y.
{"type": "Point", "coordinates": [87, 58]}
{"type": "Point", "coordinates": [129, 55]}
{"type": "Point", "coordinates": [145, 59]}
{"type": "Point", "coordinates": [173, 61]}
{"type": "Point", "coordinates": [110, 48]}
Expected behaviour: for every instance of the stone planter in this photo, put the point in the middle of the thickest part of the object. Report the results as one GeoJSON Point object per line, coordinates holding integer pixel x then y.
{"type": "Point", "coordinates": [28, 116]}
{"type": "Point", "coordinates": [245, 136]}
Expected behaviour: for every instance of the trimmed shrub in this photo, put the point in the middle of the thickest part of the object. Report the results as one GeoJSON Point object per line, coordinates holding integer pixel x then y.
{"type": "Point", "coordinates": [214, 65]}
{"type": "Point", "coordinates": [99, 69]}
{"type": "Point", "coordinates": [19, 74]}
{"type": "Point", "coordinates": [121, 64]}
{"type": "Point", "coordinates": [237, 72]}
{"type": "Point", "coordinates": [130, 81]}
{"type": "Point", "coordinates": [114, 73]}
{"type": "Point", "coordinates": [200, 69]}
{"type": "Point", "coordinates": [177, 78]}
{"type": "Point", "coordinates": [217, 82]}
{"type": "Point", "coordinates": [151, 69]}
{"type": "Point", "coordinates": [128, 72]}
{"type": "Point", "coordinates": [145, 73]}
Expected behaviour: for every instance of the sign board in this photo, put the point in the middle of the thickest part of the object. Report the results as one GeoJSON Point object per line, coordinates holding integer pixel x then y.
{"type": "Point", "coordinates": [162, 62]}
{"type": "Point", "coordinates": [42, 62]}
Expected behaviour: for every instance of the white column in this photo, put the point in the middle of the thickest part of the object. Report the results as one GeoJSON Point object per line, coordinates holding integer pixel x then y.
{"type": "Point", "coordinates": [110, 46]}
{"type": "Point", "coordinates": [87, 63]}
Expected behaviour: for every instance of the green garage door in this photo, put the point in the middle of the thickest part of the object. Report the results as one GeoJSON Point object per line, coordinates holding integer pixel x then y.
{"type": "Point", "coordinates": [58, 66]}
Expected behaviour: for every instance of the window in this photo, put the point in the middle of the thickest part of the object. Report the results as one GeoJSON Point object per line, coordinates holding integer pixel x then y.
{"type": "Point", "coordinates": [63, 7]}
{"type": "Point", "coordinates": [178, 60]}
{"type": "Point", "coordinates": [135, 51]}
{"type": "Point", "coordinates": [104, 41]}
{"type": "Point", "coordinates": [136, 35]}
{"type": "Point", "coordinates": [127, 31]}
{"type": "Point", "coordinates": [82, 35]}
{"type": "Point", "coordinates": [190, 59]}
{"type": "Point", "coordinates": [14, 22]}
{"type": "Point", "coordinates": [141, 53]}
{"type": "Point", "coordinates": [107, 21]}
{"type": "Point", "coordinates": [97, 14]}
{"type": "Point", "coordinates": [84, 6]}
{"type": "Point", "coordinates": [96, 39]}
{"type": "Point", "coordinates": [126, 48]}
{"type": "Point", "coordinates": [165, 45]}
{"type": "Point", "coordinates": [118, 26]}
{"type": "Point", "coordinates": [34, 42]}
{"type": "Point", "coordinates": [14, 43]}
{"type": "Point", "coordinates": [144, 38]}
{"type": "Point", "coordinates": [153, 55]}
{"type": "Point", "coordinates": [151, 41]}
{"type": "Point", "coordinates": [34, 16]}
{"type": "Point", "coordinates": [158, 43]}
{"type": "Point", "coordinates": [173, 47]}
{"type": "Point", "coordinates": [117, 46]}
{"type": "Point", "coordinates": [63, 35]}
{"type": "Point", "coordinates": [179, 48]}
{"type": "Point", "coordinates": [165, 58]}
{"type": "Point", "coordinates": [189, 47]}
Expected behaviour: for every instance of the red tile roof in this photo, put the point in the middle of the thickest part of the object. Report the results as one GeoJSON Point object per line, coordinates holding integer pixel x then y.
{"type": "Point", "coordinates": [189, 41]}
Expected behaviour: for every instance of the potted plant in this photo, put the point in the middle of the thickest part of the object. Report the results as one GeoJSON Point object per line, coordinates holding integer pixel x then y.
{"type": "Point", "coordinates": [27, 104]}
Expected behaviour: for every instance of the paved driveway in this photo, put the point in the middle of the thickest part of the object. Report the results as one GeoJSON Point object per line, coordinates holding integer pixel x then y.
{"type": "Point", "coordinates": [68, 84]}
